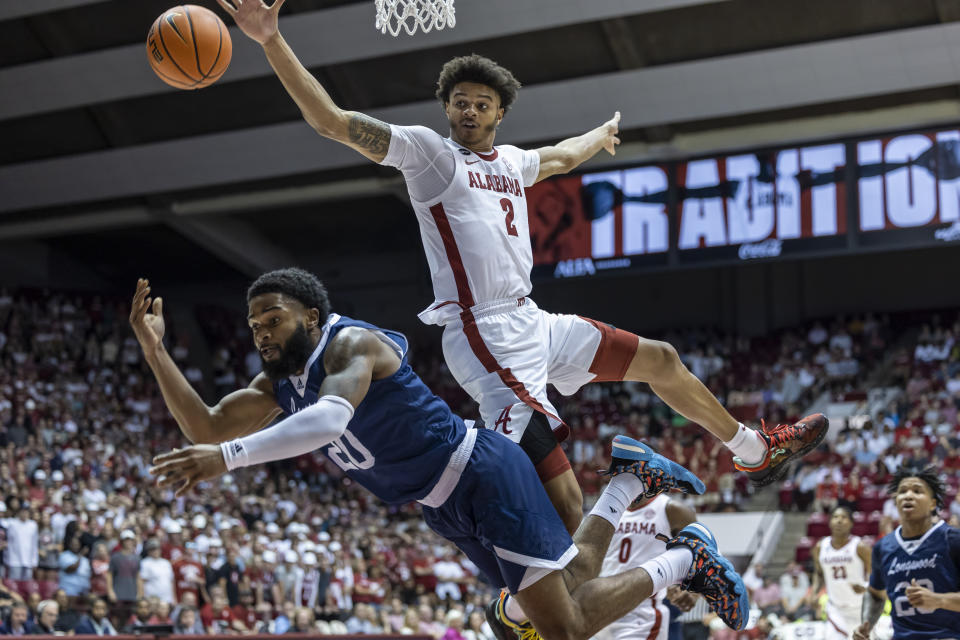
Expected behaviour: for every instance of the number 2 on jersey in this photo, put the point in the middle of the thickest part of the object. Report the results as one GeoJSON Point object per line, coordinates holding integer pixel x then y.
{"type": "Point", "coordinates": [507, 205]}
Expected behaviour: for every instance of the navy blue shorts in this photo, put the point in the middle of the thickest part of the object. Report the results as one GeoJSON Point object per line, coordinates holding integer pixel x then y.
{"type": "Point", "coordinates": [499, 515]}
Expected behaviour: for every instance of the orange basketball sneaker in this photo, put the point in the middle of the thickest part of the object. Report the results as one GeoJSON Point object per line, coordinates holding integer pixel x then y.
{"type": "Point", "coordinates": [785, 443]}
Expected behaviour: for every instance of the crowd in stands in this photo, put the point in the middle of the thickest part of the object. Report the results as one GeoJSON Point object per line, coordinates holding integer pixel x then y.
{"type": "Point", "coordinates": [90, 543]}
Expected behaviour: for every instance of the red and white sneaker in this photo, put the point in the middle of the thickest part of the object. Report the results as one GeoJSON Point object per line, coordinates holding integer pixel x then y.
{"type": "Point", "coordinates": [785, 443]}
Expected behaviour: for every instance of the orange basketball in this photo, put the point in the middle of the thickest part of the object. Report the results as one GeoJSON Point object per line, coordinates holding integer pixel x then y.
{"type": "Point", "coordinates": [189, 47]}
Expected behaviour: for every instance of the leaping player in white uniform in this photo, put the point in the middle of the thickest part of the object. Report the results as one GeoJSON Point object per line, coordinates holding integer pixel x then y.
{"type": "Point", "coordinates": [635, 542]}
{"type": "Point", "coordinates": [842, 562]}
{"type": "Point", "coordinates": [469, 197]}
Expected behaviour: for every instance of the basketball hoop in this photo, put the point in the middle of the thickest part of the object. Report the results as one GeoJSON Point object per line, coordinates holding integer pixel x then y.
{"type": "Point", "coordinates": [409, 15]}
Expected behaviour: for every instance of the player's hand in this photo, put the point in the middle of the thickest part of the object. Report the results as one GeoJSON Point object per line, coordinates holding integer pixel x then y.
{"type": "Point", "coordinates": [148, 327]}
{"type": "Point", "coordinates": [183, 469]}
{"type": "Point", "coordinates": [683, 600]}
{"type": "Point", "coordinates": [858, 588]}
{"type": "Point", "coordinates": [254, 17]}
{"type": "Point", "coordinates": [612, 127]}
{"type": "Point", "coordinates": [862, 632]}
{"type": "Point", "coordinates": [921, 597]}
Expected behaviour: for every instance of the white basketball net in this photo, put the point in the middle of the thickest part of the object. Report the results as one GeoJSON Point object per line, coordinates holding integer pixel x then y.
{"type": "Point", "coordinates": [410, 15]}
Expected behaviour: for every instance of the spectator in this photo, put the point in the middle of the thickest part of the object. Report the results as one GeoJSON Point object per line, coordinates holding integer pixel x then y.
{"type": "Point", "coordinates": [363, 621]}
{"type": "Point", "coordinates": [217, 616]}
{"type": "Point", "coordinates": [187, 623]}
{"type": "Point", "coordinates": [125, 586]}
{"type": "Point", "coordinates": [246, 611]}
{"type": "Point", "coordinates": [69, 616]}
{"type": "Point", "coordinates": [189, 577]}
{"type": "Point", "coordinates": [303, 621]}
{"type": "Point", "coordinates": [100, 570]}
{"type": "Point", "coordinates": [19, 623]}
{"type": "Point", "coordinates": [156, 574]}
{"type": "Point", "coordinates": [74, 569]}
{"type": "Point", "coordinates": [450, 575]}
{"type": "Point", "coordinates": [23, 539]}
{"type": "Point", "coordinates": [47, 613]}
{"type": "Point", "coordinates": [767, 597]}
{"type": "Point", "coordinates": [142, 616]}
{"type": "Point", "coordinates": [96, 623]}
{"type": "Point", "coordinates": [229, 575]}
{"type": "Point", "coordinates": [795, 592]}
{"type": "Point", "coordinates": [477, 627]}
{"type": "Point", "coordinates": [454, 623]}
{"type": "Point", "coordinates": [284, 622]}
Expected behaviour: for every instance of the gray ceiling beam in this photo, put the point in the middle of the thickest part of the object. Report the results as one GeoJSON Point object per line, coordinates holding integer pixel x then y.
{"type": "Point", "coordinates": [10, 9]}
{"type": "Point", "coordinates": [235, 242]}
{"type": "Point", "coordinates": [77, 223]}
{"type": "Point", "coordinates": [815, 73]}
{"type": "Point", "coordinates": [320, 38]}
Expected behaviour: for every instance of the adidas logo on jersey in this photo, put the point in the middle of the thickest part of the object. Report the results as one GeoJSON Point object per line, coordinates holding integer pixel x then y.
{"type": "Point", "coordinates": [500, 184]}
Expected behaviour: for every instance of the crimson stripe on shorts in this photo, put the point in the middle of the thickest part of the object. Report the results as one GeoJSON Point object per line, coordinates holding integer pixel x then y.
{"type": "Point", "coordinates": [479, 348]}
{"type": "Point", "coordinates": [474, 338]}
{"type": "Point", "coordinates": [657, 622]}
{"type": "Point", "coordinates": [835, 625]}
{"type": "Point", "coordinates": [453, 255]}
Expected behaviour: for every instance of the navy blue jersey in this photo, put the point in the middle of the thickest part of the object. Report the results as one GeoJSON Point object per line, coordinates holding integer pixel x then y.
{"type": "Point", "coordinates": [933, 560]}
{"type": "Point", "coordinates": [400, 437]}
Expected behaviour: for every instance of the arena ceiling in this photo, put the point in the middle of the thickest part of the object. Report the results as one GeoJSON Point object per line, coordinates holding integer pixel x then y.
{"type": "Point", "coordinates": [98, 155]}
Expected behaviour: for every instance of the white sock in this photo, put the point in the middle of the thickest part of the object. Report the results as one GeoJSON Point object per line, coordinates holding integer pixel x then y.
{"type": "Point", "coordinates": [513, 610]}
{"type": "Point", "coordinates": [617, 496]}
{"type": "Point", "coordinates": [670, 567]}
{"type": "Point", "coordinates": [747, 445]}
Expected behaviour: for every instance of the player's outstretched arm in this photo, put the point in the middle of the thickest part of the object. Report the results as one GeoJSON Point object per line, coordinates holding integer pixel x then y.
{"type": "Point", "coordinates": [572, 152]}
{"type": "Point", "coordinates": [369, 136]}
{"type": "Point", "coordinates": [238, 413]}
{"type": "Point", "coordinates": [354, 358]}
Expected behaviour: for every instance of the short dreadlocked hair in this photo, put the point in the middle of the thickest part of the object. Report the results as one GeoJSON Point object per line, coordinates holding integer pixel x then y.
{"type": "Point", "coordinates": [476, 68]}
{"type": "Point", "coordinates": [926, 474]}
{"type": "Point", "coordinates": [300, 285]}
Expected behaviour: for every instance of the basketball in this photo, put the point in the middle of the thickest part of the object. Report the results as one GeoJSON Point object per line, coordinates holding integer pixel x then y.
{"type": "Point", "coordinates": [189, 47]}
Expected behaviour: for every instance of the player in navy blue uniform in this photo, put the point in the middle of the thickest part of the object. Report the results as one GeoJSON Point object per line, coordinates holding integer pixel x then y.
{"type": "Point", "coordinates": [917, 566]}
{"type": "Point", "coordinates": [347, 389]}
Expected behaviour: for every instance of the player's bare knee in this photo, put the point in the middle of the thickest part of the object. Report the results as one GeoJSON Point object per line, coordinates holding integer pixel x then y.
{"type": "Point", "coordinates": [660, 359]}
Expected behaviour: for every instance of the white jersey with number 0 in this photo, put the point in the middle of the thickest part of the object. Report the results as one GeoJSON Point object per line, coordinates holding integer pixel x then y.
{"type": "Point", "coordinates": [634, 542]}
{"type": "Point", "coordinates": [472, 212]}
{"type": "Point", "coordinates": [842, 568]}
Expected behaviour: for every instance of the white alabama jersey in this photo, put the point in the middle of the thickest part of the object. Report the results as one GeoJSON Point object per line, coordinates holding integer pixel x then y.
{"type": "Point", "coordinates": [841, 569]}
{"type": "Point", "coordinates": [633, 543]}
{"type": "Point", "coordinates": [476, 235]}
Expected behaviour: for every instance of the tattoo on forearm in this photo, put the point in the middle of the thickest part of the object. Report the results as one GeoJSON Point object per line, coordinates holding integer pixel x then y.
{"type": "Point", "coordinates": [871, 610]}
{"type": "Point", "coordinates": [370, 133]}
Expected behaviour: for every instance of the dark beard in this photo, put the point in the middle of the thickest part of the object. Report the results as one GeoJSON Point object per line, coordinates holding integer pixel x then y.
{"type": "Point", "coordinates": [293, 356]}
